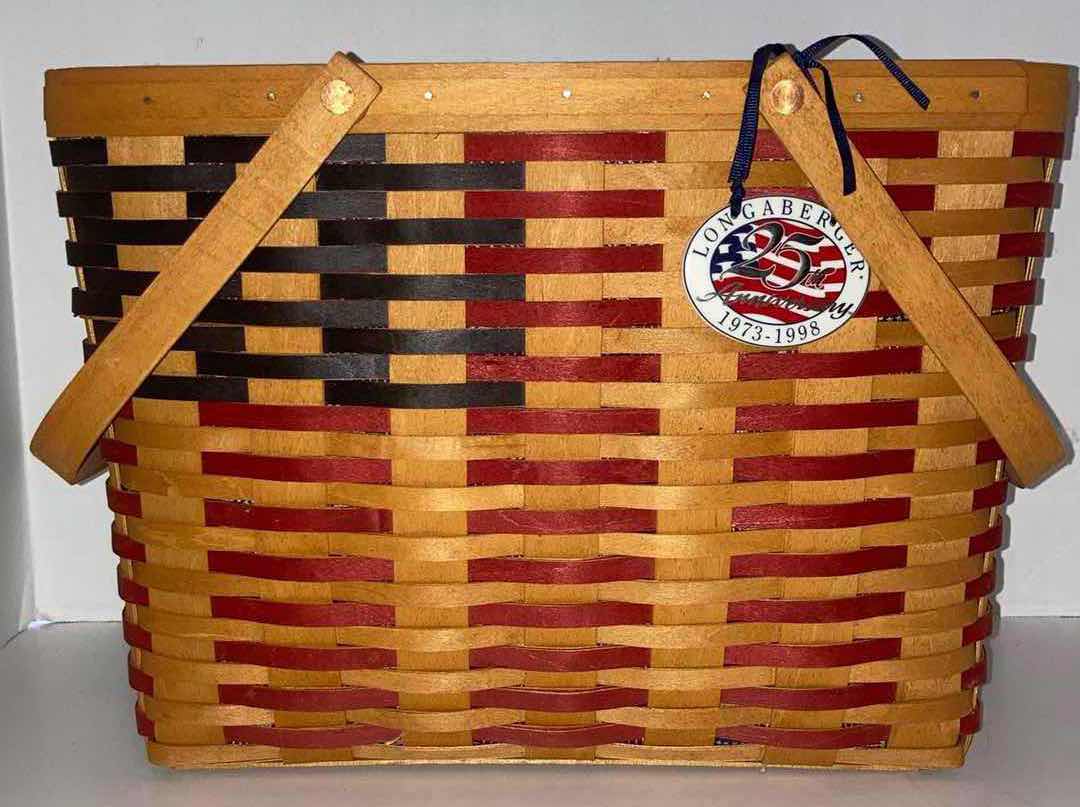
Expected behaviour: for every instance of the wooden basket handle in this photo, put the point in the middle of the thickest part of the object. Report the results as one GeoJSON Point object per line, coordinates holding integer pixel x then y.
{"type": "Point", "coordinates": [338, 95]}
{"type": "Point", "coordinates": [1020, 424]}
{"type": "Point", "coordinates": [341, 93]}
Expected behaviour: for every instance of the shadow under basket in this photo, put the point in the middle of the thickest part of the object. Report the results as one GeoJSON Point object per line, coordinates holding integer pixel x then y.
{"type": "Point", "coordinates": [451, 471]}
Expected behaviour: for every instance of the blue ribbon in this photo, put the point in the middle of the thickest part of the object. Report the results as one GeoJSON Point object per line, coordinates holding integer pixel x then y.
{"type": "Point", "coordinates": [807, 59]}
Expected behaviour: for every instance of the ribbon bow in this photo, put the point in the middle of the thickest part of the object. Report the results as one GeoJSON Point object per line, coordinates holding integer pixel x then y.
{"type": "Point", "coordinates": [807, 60]}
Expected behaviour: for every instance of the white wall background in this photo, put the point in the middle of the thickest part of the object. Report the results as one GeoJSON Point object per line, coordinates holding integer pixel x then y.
{"type": "Point", "coordinates": [15, 591]}
{"type": "Point", "coordinates": [73, 568]}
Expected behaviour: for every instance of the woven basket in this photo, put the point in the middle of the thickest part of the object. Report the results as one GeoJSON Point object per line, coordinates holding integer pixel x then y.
{"type": "Point", "coordinates": [451, 471]}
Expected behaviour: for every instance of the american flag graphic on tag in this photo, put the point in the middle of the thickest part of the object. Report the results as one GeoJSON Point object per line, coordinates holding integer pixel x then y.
{"type": "Point", "coordinates": [780, 274]}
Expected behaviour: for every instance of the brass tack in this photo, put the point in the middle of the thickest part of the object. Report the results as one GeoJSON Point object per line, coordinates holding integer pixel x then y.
{"type": "Point", "coordinates": [337, 96]}
{"type": "Point", "coordinates": [787, 96]}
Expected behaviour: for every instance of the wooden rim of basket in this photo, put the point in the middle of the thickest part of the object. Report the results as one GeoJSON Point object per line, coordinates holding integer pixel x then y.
{"type": "Point", "coordinates": [543, 96]}
{"type": "Point", "coordinates": [339, 94]}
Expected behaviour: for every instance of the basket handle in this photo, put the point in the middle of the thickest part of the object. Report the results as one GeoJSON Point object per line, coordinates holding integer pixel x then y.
{"type": "Point", "coordinates": [1006, 405]}
{"type": "Point", "coordinates": [338, 95]}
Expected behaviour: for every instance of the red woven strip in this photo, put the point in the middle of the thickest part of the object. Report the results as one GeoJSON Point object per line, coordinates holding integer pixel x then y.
{"type": "Point", "coordinates": [1021, 245]}
{"type": "Point", "coordinates": [143, 724]}
{"type": "Point", "coordinates": [815, 699]}
{"type": "Point", "coordinates": [587, 570]}
{"type": "Point", "coordinates": [302, 614]}
{"type": "Point", "coordinates": [115, 451]}
{"type": "Point", "coordinates": [912, 197]}
{"type": "Point", "coordinates": [1038, 144]}
{"type": "Point", "coordinates": [558, 659]}
{"type": "Point", "coordinates": [819, 516]}
{"type": "Point", "coordinates": [484, 367]}
{"type": "Point", "coordinates": [988, 451]}
{"type": "Point", "coordinates": [869, 144]}
{"type": "Point", "coordinates": [981, 586]}
{"type": "Point", "coordinates": [548, 522]}
{"type": "Point", "coordinates": [990, 496]}
{"type": "Point", "coordinates": [300, 569]}
{"type": "Point", "coordinates": [297, 469]}
{"type": "Point", "coordinates": [127, 548]}
{"type": "Point", "coordinates": [781, 467]}
{"type": "Point", "coordinates": [979, 629]}
{"type": "Point", "coordinates": [831, 565]}
{"type": "Point", "coordinates": [886, 361]}
{"type": "Point", "coordinates": [848, 737]}
{"type": "Point", "coordinates": [343, 737]}
{"type": "Point", "coordinates": [563, 204]}
{"type": "Point", "coordinates": [972, 722]}
{"type": "Point", "coordinates": [601, 146]}
{"type": "Point", "coordinates": [988, 541]}
{"type": "Point", "coordinates": [812, 656]}
{"type": "Point", "coordinates": [802, 612]}
{"type": "Point", "coordinates": [563, 260]}
{"type": "Point", "coordinates": [138, 636]}
{"type": "Point", "coordinates": [296, 519]}
{"type": "Point", "coordinates": [1030, 194]}
{"type": "Point", "coordinates": [562, 472]}
{"type": "Point", "coordinates": [579, 615]}
{"type": "Point", "coordinates": [896, 144]}
{"type": "Point", "coordinates": [127, 411]}
{"type": "Point", "coordinates": [123, 502]}
{"type": "Point", "coordinates": [976, 675]}
{"type": "Point", "coordinates": [273, 567]}
{"type": "Point", "coordinates": [878, 304]}
{"type": "Point", "coordinates": [1015, 348]}
{"type": "Point", "coordinates": [559, 700]}
{"type": "Point", "coordinates": [782, 417]}
{"type": "Point", "coordinates": [370, 419]}
{"type": "Point", "coordinates": [533, 314]}
{"type": "Point", "coordinates": [881, 303]}
{"type": "Point", "coordinates": [304, 658]}
{"type": "Point", "coordinates": [560, 736]}
{"type": "Point", "coordinates": [306, 700]}
{"type": "Point", "coordinates": [140, 681]}
{"type": "Point", "coordinates": [562, 421]}
{"type": "Point", "coordinates": [1009, 294]}
{"type": "Point", "coordinates": [132, 592]}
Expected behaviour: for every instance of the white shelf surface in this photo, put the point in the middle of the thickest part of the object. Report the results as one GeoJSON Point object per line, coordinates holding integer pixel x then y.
{"type": "Point", "coordinates": [67, 737]}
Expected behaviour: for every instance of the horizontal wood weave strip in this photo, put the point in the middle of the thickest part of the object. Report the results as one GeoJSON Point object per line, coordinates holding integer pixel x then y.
{"type": "Point", "coordinates": [525, 97]}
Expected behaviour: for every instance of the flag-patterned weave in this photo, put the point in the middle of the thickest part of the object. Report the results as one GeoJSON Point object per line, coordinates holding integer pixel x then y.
{"type": "Point", "coordinates": [451, 470]}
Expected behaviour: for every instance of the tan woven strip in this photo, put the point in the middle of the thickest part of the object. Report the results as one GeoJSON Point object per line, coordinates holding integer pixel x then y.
{"type": "Point", "coordinates": [446, 548]}
{"type": "Point", "coordinates": [678, 174]}
{"type": "Point", "coordinates": [703, 445]}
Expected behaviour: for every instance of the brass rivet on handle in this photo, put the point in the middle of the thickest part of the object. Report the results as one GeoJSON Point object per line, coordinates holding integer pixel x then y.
{"type": "Point", "coordinates": [786, 96]}
{"type": "Point", "coordinates": [337, 96]}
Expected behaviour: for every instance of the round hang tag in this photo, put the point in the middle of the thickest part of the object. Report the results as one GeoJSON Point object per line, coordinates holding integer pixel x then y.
{"type": "Point", "coordinates": [779, 274]}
